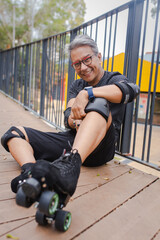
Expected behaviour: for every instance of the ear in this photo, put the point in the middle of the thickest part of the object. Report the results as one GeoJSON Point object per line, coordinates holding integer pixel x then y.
{"type": "Point", "coordinates": [99, 57]}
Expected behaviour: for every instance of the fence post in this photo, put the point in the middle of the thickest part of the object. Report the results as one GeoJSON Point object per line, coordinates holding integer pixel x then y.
{"type": "Point", "coordinates": [1, 64]}
{"type": "Point", "coordinates": [26, 76]}
{"type": "Point", "coordinates": [15, 73]}
{"type": "Point", "coordinates": [7, 72]}
{"type": "Point", "coordinates": [43, 76]}
{"type": "Point", "coordinates": [131, 59]}
{"type": "Point", "coordinates": [71, 71]}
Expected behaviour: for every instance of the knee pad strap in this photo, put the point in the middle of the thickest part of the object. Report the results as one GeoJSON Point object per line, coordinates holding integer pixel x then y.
{"type": "Point", "coordinates": [8, 135]}
{"type": "Point", "coordinates": [99, 105]}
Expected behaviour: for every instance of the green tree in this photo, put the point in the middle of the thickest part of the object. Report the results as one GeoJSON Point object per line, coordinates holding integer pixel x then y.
{"type": "Point", "coordinates": [62, 15]}
{"type": "Point", "coordinates": [35, 19]}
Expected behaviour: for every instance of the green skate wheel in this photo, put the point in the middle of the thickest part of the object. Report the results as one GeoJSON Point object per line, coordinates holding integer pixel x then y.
{"type": "Point", "coordinates": [22, 200]}
{"type": "Point", "coordinates": [63, 220]}
{"type": "Point", "coordinates": [48, 202]}
{"type": "Point", "coordinates": [41, 218]}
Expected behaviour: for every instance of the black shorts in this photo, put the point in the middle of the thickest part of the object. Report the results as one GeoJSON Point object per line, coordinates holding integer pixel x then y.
{"type": "Point", "coordinates": [50, 146]}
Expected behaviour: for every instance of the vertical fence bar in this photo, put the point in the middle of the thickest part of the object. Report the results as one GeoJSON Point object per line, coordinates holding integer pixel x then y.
{"type": "Point", "coordinates": [43, 77]}
{"type": "Point", "coordinates": [109, 44]}
{"type": "Point", "coordinates": [33, 76]}
{"type": "Point", "coordinates": [150, 80]}
{"type": "Point", "coordinates": [140, 76]}
{"type": "Point", "coordinates": [96, 33]}
{"type": "Point", "coordinates": [58, 85]}
{"type": "Point", "coordinates": [62, 75]}
{"type": "Point", "coordinates": [26, 75]}
{"type": "Point", "coordinates": [1, 63]}
{"type": "Point", "coordinates": [105, 34]}
{"type": "Point", "coordinates": [91, 30]}
{"type": "Point", "coordinates": [22, 77]}
{"type": "Point", "coordinates": [52, 79]}
{"type": "Point", "coordinates": [3, 71]}
{"type": "Point", "coordinates": [15, 74]}
{"type": "Point", "coordinates": [71, 71]}
{"type": "Point", "coordinates": [8, 72]}
{"type": "Point", "coordinates": [49, 74]}
{"type": "Point", "coordinates": [114, 41]}
{"type": "Point", "coordinates": [48, 79]}
{"type": "Point", "coordinates": [134, 40]}
{"type": "Point", "coordinates": [54, 82]}
{"type": "Point", "coordinates": [37, 77]}
{"type": "Point", "coordinates": [30, 75]}
{"type": "Point", "coordinates": [153, 102]}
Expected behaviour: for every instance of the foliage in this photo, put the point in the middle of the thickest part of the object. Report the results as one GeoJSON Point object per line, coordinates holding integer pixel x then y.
{"type": "Point", "coordinates": [35, 19]}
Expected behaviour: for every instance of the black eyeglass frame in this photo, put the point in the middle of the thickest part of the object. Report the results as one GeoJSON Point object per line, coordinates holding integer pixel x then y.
{"type": "Point", "coordinates": [83, 61]}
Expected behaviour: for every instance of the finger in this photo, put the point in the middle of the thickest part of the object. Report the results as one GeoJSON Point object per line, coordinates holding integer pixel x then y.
{"type": "Point", "coordinates": [73, 114]}
{"type": "Point", "coordinates": [77, 127]}
{"type": "Point", "coordinates": [83, 114]}
{"type": "Point", "coordinates": [74, 123]}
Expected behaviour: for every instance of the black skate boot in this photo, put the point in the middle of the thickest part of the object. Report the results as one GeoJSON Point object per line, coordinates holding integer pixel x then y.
{"type": "Point", "coordinates": [25, 172]}
{"type": "Point", "coordinates": [61, 175]}
{"type": "Point", "coordinates": [65, 172]}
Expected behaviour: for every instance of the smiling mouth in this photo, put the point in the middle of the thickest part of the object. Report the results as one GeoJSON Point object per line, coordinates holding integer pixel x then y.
{"type": "Point", "coordinates": [87, 73]}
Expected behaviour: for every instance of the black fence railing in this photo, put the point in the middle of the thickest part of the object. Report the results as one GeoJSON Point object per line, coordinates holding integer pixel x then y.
{"type": "Point", "coordinates": [38, 74]}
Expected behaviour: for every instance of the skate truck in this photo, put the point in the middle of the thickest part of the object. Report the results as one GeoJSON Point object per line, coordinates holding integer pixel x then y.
{"type": "Point", "coordinates": [49, 204]}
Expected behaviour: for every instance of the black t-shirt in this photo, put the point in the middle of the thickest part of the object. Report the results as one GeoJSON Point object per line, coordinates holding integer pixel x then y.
{"type": "Point", "coordinates": [117, 109]}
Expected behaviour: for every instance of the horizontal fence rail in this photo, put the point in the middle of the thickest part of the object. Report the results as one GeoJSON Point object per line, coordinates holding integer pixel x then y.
{"type": "Point", "coordinates": [38, 74]}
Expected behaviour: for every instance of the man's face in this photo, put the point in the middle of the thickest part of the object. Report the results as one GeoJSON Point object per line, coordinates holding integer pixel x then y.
{"type": "Point", "coordinates": [91, 73]}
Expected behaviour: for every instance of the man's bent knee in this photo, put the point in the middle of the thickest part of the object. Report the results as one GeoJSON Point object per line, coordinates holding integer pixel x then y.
{"type": "Point", "coordinates": [99, 105]}
{"type": "Point", "coordinates": [13, 132]}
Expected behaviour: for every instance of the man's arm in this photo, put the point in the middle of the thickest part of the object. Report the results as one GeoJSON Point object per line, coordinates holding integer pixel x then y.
{"type": "Point", "coordinates": [118, 92]}
{"type": "Point", "coordinates": [113, 93]}
{"type": "Point", "coordinates": [110, 92]}
{"type": "Point", "coordinates": [77, 112]}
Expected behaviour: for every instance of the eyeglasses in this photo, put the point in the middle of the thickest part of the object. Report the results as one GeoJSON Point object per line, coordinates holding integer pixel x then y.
{"type": "Point", "coordinates": [86, 61]}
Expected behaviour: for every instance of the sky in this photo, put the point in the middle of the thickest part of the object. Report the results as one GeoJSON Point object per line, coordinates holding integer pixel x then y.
{"type": "Point", "coordinates": [95, 8]}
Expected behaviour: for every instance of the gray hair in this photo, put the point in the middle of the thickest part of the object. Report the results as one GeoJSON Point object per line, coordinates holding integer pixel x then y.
{"type": "Point", "coordinates": [83, 40]}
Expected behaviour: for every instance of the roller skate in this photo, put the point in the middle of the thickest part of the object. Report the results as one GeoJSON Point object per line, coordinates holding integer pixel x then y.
{"type": "Point", "coordinates": [25, 173]}
{"type": "Point", "coordinates": [51, 185]}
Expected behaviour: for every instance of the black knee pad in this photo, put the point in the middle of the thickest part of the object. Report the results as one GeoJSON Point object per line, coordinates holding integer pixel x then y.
{"type": "Point", "coordinates": [8, 135]}
{"type": "Point", "coordinates": [99, 105]}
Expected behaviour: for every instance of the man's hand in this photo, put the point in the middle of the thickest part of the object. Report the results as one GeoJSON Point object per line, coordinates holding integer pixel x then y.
{"type": "Point", "coordinates": [77, 111]}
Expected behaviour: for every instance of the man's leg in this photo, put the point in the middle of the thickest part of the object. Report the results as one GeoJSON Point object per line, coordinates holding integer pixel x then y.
{"type": "Point", "coordinates": [64, 172]}
{"type": "Point", "coordinates": [20, 149]}
{"type": "Point", "coordinates": [16, 141]}
{"type": "Point", "coordinates": [90, 133]}
{"type": "Point", "coordinates": [43, 145]}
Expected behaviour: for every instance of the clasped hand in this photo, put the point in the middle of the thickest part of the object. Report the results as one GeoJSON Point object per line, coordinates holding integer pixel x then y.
{"type": "Point", "coordinates": [78, 108]}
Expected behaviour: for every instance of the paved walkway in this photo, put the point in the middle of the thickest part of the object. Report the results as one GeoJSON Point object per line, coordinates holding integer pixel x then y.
{"type": "Point", "coordinates": [112, 202]}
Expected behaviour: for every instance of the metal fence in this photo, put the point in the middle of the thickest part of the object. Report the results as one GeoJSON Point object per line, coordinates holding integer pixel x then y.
{"type": "Point", "coordinates": [38, 74]}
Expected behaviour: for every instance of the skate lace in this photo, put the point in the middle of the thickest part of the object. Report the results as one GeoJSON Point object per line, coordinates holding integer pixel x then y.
{"type": "Point", "coordinates": [65, 162]}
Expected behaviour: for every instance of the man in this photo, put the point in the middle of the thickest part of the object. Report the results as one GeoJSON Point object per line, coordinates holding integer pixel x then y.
{"type": "Point", "coordinates": [93, 117]}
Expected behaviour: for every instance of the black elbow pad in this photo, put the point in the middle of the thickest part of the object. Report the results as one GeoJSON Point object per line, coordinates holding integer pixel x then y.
{"type": "Point", "coordinates": [129, 91]}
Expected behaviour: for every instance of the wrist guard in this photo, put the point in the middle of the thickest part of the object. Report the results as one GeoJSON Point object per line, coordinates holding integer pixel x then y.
{"type": "Point", "coordinates": [67, 113]}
